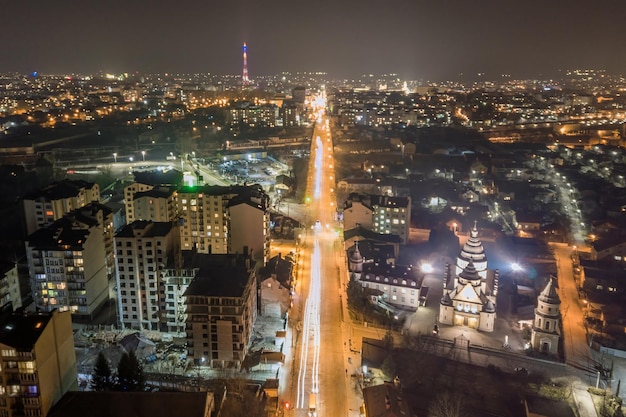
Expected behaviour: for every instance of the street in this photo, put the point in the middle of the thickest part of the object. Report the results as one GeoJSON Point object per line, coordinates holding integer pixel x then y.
{"type": "Point", "coordinates": [320, 355]}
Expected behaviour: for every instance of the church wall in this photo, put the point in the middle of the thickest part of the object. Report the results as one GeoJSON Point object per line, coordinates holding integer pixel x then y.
{"type": "Point", "coordinates": [446, 314]}
{"type": "Point", "coordinates": [486, 322]}
{"type": "Point", "coordinates": [545, 343]}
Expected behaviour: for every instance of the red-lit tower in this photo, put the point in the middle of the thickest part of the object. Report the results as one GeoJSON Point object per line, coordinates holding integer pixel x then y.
{"type": "Point", "coordinates": [244, 76]}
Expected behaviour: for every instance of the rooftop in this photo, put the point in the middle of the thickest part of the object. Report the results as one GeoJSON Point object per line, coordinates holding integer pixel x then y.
{"type": "Point", "coordinates": [135, 404]}
{"type": "Point", "coordinates": [21, 331]}
{"type": "Point", "coordinates": [148, 229]}
{"type": "Point", "coordinates": [223, 275]}
{"type": "Point", "coordinates": [60, 190]}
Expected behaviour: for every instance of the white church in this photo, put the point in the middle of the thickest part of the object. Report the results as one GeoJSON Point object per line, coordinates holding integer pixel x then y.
{"type": "Point", "coordinates": [470, 289]}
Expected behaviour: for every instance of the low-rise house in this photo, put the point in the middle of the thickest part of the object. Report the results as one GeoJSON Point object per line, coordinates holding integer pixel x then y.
{"type": "Point", "coordinates": [610, 247]}
{"type": "Point", "coordinates": [385, 400]}
{"type": "Point", "coordinates": [396, 285]}
{"type": "Point", "coordinates": [603, 277]}
{"type": "Point", "coordinates": [274, 298]}
{"type": "Point", "coordinates": [359, 233]}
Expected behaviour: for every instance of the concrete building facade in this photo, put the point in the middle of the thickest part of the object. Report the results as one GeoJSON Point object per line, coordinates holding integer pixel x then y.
{"type": "Point", "coordinates": [157, 205]}
{"type": "Point", "coordinates": [220, 220]}
{"type": "Point", "coordinates": [10, 294]}
{"type": "Point", "coordinates": [142, 251]}
{"type": "Point", "coordinates": [67, 267]}
{"type": "Point", "coordinates": [379, 213]}
{"type": "Point", "coordinates": [38, 363]}
{"type": "Point", "coordinates": [44, 206]}
{"type": "Point", "coordinates": [221, 310]}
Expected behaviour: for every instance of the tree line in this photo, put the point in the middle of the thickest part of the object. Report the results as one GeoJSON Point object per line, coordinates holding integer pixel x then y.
{"type": "Point", "coordinates": [129, 375]}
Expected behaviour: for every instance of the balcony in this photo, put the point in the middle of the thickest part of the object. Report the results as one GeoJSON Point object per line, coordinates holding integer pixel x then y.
{"type": "Point", "coordinates": [30, 400]}
{"type": "Point", "coordinates": [28, 378]}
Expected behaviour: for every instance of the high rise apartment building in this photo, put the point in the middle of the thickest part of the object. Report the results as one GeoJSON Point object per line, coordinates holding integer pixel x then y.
{"type": "Point", "coordinates": [176, 278]}
{"type": "Point", "coordinates": [50, 203]}
{"type": "Point", "coordinates": [67, 266]}
{"type": "Point", "coordinates": [142, 251]}
{"type": "Point", "coordinates": [220, 220]}
{"type": "Point", "coordinates": [250, 225]}
{"type": "Point", "coordinates": [149, 202]}
{"type": "Point", "coordinates": [100, 216]}
{"type": "Point", "coordinates": [158, 205]}
{"type": "Point", "coordinates": [10, 295]}
{"type": "Point", "coordinates": [37, 362]}
{"type": "Point", "coordinates": [152, 196]}
{"type": "Point", "coordinates": [221, 310]}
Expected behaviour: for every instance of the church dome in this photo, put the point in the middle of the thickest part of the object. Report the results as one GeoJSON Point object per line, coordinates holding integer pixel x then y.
{"type": "Point", "coordinates": [446, 300]}
{"type": "Point", "coordinates": [473, 249]}
{"type": "Point", "coordinates": [549, 294]}
{"type": "Point", "coordinates": [355, 259]}
{"type": "Point", "coordinates": [489, 307]}
{"type": "Point", "coordinates": [469, 274]}
{"type": "Point", "coordinates": [355, 256]}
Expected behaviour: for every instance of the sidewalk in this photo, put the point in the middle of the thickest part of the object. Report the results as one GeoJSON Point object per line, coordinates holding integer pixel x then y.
{"type": "Point", "coordinates": [583, 400]}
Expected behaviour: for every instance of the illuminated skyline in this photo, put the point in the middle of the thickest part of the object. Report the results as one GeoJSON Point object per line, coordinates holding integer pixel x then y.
{"type": "Point", "coordinates": [415, 39]}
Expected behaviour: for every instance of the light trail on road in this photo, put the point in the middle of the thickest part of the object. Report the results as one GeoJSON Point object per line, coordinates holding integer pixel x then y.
{"type": "Point", "coordinates": [311, 332]}
{"type": "Point", "coordinates": [311, 342]}
{"type": "Point", "coordinates": [319, 160]}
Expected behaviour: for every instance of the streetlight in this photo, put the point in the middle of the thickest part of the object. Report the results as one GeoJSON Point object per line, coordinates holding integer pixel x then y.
{"type": "Point", "coordinates": [115, 156]}
{"type": "Point", "coordinates": [130, 159]}
{"type": "Point", "coordinates": [143, 155]}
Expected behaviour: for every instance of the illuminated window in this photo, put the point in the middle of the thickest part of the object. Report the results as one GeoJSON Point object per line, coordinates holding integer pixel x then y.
{"type": "Point", "coordinates": [26, 367]}
{"type": "Point", "coordinates": [8, 352]}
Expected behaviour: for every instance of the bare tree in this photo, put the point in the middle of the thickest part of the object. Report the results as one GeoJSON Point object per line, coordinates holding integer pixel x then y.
{"type": "Point", "coordinates": [242, 399]}
{"type": "Point", "coordinates": [447, 404]}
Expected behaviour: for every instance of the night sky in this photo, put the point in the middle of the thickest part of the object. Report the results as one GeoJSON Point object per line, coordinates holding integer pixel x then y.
{"type": "Point", "coordinates": [417, 39]}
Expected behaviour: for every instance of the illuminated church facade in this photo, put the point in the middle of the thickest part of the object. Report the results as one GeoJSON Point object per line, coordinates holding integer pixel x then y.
{"type": "Point", "coordinates": [470, 289]}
